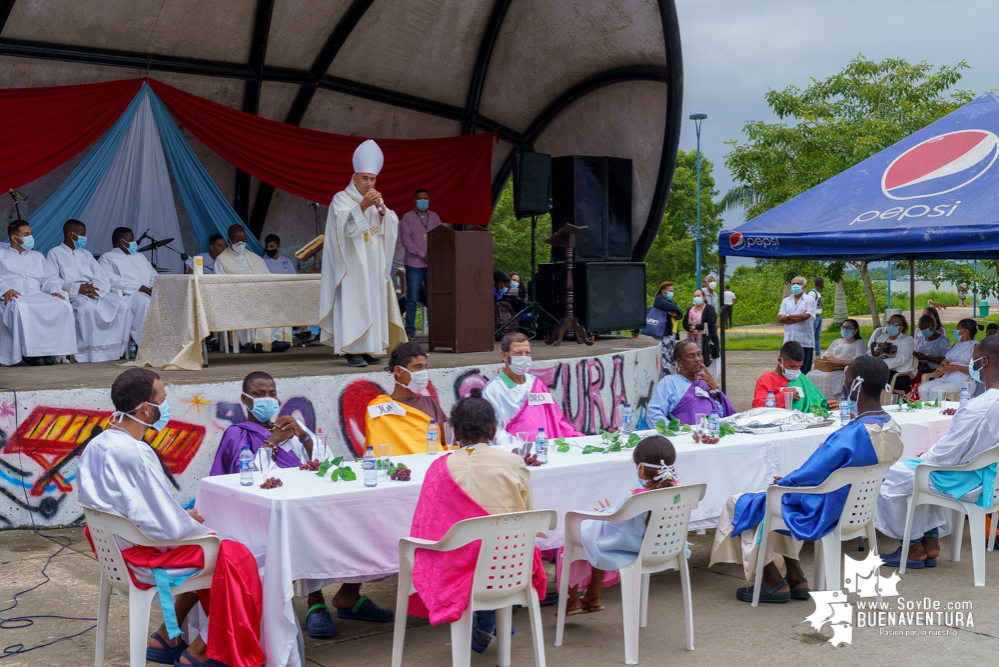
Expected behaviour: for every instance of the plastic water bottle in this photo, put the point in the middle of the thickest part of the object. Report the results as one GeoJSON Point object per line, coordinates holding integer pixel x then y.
{"type": "Point", "coordinates": [627, 420]}
{"type": "Point", "coordinates": [433, 437]}
{"type": "Point", "coordinates": [368, 463]}
{"type": "Point", "coordinates": [132, 349]}
{"type": "Point", "coordinates": [246, 466]}
{"type": "Point", "coordinates": [771, 401]}
{"type": "Point", "coordinates": [844, 412]}
{"type": "Point", "coordinates": [714, 426]}
{"type": "Point", "coordinates": [965, 396]}
{"type": "Point", "coordinates": [541, 446]}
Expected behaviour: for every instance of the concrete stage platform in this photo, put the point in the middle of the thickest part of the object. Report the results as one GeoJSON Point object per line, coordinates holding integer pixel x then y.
{"type": "Point", "coordinates": [57, 407]}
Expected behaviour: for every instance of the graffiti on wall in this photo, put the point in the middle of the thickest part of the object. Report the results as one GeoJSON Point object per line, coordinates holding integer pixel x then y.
{"type": "Point", "coordinates": [40, 442]}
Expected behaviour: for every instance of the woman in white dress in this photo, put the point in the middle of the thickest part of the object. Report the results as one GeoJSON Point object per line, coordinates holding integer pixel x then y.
{"type": "Point", "coordinates": [891, 344]}
{"type": "Point", "coordinates": [845, 349]}
{"type": "Point", "coordinates": [931, 346]}
{"type": "Point", "coordinates": [955, 364]}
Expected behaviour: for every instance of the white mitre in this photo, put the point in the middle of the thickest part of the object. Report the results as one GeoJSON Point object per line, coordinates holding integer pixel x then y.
{"type": "Point", "coordinates": [368, 158]}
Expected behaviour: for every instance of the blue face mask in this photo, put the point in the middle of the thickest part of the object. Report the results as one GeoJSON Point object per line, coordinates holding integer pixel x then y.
{"type": "Point", "coordinates": [957, 335]}
{"type": "Point", "coordinates": [422, 204]}
{"type": "Point", "coordinates": [502, 291]}
{"type": "Point", "coordinates": [80, 242]}
{"type": "Point", "coordinates": [846, 334]}
{"type": "Point", "coordinates": [28, 242]}
{"type": "Point", "coordinates": [514, 285]}
{"type": "Point", "coordinates": [926, 333]}
{"type": "Point", "coordinates": [164, 419]}
{"type": "Point", "coordinates": [669, 295]}
{"type": "Point", "coordinates": [133, 247]}
{"type": "Point", "coordinates": [892, 329]}
{"type": "Point", "coordinates": [265, 409]}
{"type": "Point", "coordinates": [796, 289]}
{"type": "Point", "coordinates": [976, 374]}
{"type": "Point", "coordinates": [698, 300]}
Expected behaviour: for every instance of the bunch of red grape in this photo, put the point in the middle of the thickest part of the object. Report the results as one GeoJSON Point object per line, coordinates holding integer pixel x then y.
{"type": "Point", "coordinates": [312, 465]}
{"type": "Point", "coordinates": [705, 439]}
{"type": "Point", "coordinates": [400, 475]}
{"type": "Point", "coordinates": [532, 460]}
{"type": "Point", "coordinates": [271, 483]}
{"type": "Point", "coordinates": [949, 411]}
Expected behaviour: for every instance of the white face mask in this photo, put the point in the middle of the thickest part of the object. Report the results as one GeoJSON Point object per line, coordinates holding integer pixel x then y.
{"type": "Point", "coordinates": [418, 381]}
{"type": "Point", "coordinates": [712, 284]}
{"type": "Point", "coordinates": [520, 365]}
{"type": "Point", "coordinates": [239, 248]}
{"type": "Point", "coordinates": [789, 373]}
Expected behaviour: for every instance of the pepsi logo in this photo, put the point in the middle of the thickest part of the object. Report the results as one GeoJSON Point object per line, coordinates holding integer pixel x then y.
{"type": "Point", "coordinates": [737, 241]}
{"type": "Point", "coordinates": [941, 164]}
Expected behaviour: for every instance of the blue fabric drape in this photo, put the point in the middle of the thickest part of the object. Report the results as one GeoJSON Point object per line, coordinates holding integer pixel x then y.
{"type": "Point", "coordinates": [207, 209]}
{"type": "Point", "coordinates": [72, 196]}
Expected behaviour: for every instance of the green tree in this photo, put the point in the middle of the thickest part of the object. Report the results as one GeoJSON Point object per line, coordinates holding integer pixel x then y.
{"type": "Point", "coordinates": [833, 125]}
{"type": "Point", "coordinates": [512, 237]}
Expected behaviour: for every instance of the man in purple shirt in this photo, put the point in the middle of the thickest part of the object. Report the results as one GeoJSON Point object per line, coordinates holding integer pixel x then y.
{"type": "Point", "coordinates": [413, 230]}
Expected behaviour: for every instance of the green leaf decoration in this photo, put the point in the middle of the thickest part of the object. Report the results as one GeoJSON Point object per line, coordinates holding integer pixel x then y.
{"type": "Point", "coordinates": [661, 426]}
{"type": "Point", "coordinates": [685, 428]}
{"type": "Point", "coordinates": [616, 447]}
{"type": "Point", "coordinates": [337, 461]}
{"type": "Point", "coordinates": [335, 475]}
{"type": "Point", "coordinates": [633, 441]}
{"type": "Point", "coordinates": [403, 465]}
{"type": "Point", "coordinates": [674, 424]}
{"type": "Point", "coordinates": [726, 429]}
{"type": "Point", "coordinates": [592, 449]}
{"type": "Point", "coordinates": [324, 468]}
{"type": "Point", "coordinates": [346, 474]}
{"type": "Point", "coordinates": [562, 447]}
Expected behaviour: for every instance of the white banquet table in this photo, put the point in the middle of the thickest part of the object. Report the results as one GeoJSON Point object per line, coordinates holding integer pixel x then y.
{"type": "Point", "coordinates": [313, 528]}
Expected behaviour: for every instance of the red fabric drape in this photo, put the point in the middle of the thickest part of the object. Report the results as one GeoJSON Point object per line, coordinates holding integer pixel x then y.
{"type": "Point", "coordinates": [316, 165]}
{"type": "Point", "coordinates": [44, 127]}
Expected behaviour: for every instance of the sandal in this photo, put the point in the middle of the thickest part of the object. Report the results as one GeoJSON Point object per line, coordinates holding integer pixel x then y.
{"type": "Point", "coordinates": [591, 608]}
{"type": "Point", "coordinates": [570, 612]}
{"type": "Point", "coordinates": [799, 593]}
{"type": "Point", "coordinates": [209, 662]}
{"type": "Point", "coordinates": [894, 559]}
{"type": "Point", "coordinates": [766, 594]}
{"type": "Point", "coordinates": [165, 655]}
{"type": "Point", "coordinates": [319, 623]}
{"type": "Point", "coordinates": [366, 610]}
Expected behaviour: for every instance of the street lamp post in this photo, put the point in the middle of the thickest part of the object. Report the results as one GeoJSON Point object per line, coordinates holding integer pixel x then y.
{"type": "Point", "coordinates": [697, 118]}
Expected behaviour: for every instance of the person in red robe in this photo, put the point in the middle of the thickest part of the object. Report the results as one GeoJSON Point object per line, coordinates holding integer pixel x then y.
{"type": "Point", "coordinates": [788, 371]}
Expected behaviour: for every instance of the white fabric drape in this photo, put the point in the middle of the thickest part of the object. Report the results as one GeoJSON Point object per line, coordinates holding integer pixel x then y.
{"type": "Point", "coordinates": [136, 193]}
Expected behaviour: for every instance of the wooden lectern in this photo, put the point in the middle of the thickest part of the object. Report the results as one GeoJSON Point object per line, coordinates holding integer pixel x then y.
{"type": "Point", "coordinates": [566, 238]}
{"type": "Point", "coordinates": [460, 289]}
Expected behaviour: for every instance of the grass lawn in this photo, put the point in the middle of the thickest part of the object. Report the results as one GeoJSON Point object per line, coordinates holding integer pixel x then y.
{"type": "Point", "coordinates": [774, 341]}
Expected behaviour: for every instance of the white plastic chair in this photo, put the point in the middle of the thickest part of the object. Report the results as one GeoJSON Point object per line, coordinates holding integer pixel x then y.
{"type": "Point", "coordinates": [922, 495]}
{"type": "Point", "coordinates": [664, 548]}
{"type": "Point", "coordinates": [854, 521]}
{"type": "Point", "coordinates": [114, 571]}
{"type": "Point", "coordinates": [502, 579]}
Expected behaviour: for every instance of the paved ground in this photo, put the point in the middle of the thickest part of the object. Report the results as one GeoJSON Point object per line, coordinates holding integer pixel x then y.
{"type": "Point", "coordinates": [726, 631]}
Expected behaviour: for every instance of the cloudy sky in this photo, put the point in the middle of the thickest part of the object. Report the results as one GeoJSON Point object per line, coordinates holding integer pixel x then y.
{"type": "Point", "coordinates": [733, 52]}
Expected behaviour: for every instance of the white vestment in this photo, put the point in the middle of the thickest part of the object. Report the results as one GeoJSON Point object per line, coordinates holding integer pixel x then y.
{"type": "Point", "coordinates": [974, 429]}
{"type": "Point", "coordinates": [507, 401]}
{"type": "Point", "coordinates": [246, 263]}
{"type": "Point", "coordinates": [102, 324]}
{"type": "Point", "coordinates": [358, 311]}
{"type": "Point", "coordinates": [35, 324]}
{"type": "Point", "coordinates": [128, 273]}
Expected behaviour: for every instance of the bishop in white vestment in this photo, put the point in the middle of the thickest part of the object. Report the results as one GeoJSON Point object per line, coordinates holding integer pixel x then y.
{"type": "Point", "coordinates": [35, 320]}
{"type": "Point", "coordinates": [131, 273]}
{"type": "Point", "coordinates": [103, 319]}
{"type": "Point", "coordinates": [359, 315]}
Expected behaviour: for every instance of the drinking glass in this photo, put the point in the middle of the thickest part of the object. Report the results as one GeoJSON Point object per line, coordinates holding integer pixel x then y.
{"type": "Point", "coordinates": [789, 395]}
{"type": "Point", "coordinates": [699, 418]}
{"type": "Point", "coordinates": [319, 450]}
{"type": "Point", "coordinates": [385, 460]}
{"type": "Point", "coordinates": [449, 435]}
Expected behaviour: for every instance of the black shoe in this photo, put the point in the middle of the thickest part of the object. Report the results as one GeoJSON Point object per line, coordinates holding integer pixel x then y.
{"type": "Point", "coordinates": [258, 348]}
{"type": "Point", "coordinates": [410, 333]}
{"type": "Point", "coordinates": [371, 360]}
{"type": "Point", "coordinates": [34, 361]}
{"type": "Point", "coordinates": [355, 360]}
{"type": "Point", "coordinates": [551, 598]}
{"type": "Point", "coordinates": [280, 346]}
{"type": "Point", "coordinates": [49, 361]}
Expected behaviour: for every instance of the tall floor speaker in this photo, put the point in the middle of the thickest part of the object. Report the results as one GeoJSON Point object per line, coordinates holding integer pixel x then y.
{"type": "Point", "coordinates": [608, 296]}
{"type": "Point", "coordinates": [532, 184]}
{"type": "Point", "coordinates": [593, 192]}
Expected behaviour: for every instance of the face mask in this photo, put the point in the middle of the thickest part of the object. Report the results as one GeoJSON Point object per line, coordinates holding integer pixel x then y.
{"type": "Point", "coordinates": [712, 284]}
{"type": "Point", "coordinates": [926, 333]}
{"type": "Point", "coordinates": [272, 253]}
{"type": "Point", "coordinates": [28, 242]}
{"type": "Point", "coordinates": [698, 300]}
{"type": "Point", "coordinates": [422, 204]}
{"type": "Point", "coordinates": [520, 365]}
{"type": "Point", "coordinates": [133, 248]}
{"type": "Point", "coordinates": [892, 329]}
{"type": "Point", "coordinates": [418, 381]}
{"type": "Point", "coordinates": [514, 285]}
{"type": "Point", "coordinates": [160, 423]}
{"type": "Point", "coordinates": [669, 295]}
{"type": "Point", "coordinates": [957, 335]}
{"type": "Point", "coordinates": [796, 289]}
{"type": "Point", "coordinates": [265, 409]}
{"type": "Point", "coordinates": [239, 248]}
{"type": "Point", "coordinates": [502, 291]}
{"type": "Point", "coordinates": [80, 242]}
{"type": "Point", "coordinates": [641, 480]}
{"type": "Point", "coordinates": [976, 374]}
{"type": "Point", "coordinates": [789, 373]}
{"type": "Point", "coordinates": [846, 334]}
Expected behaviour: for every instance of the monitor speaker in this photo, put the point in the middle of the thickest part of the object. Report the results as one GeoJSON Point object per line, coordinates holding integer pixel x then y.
{"type": "Point", "coordinates": [532, 184]}
{"type": "Point", "coordinates": [608, 296]}
{"type": "Point", "coordinates": [593, 192]}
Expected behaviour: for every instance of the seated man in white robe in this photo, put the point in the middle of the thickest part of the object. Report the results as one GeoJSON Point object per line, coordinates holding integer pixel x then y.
{"type": "Point", "coordinates": [974, 429]}
{"type": "Point", "coordinates": [103, 319]}
{"type": "Point", "coordinates": [522, 401]}
{"type": "Point", "coordinates": [132, 274]}
{"type": "Point", "coordinates": [216, 245]}
{"type": "Point", "coordinates": [234, 260]}
{"type": "Point", "coordinates": [36, 321]}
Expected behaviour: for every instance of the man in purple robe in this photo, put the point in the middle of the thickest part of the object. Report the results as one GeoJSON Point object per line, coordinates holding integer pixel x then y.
{"type": "Point", "coordinates": [692, 391]}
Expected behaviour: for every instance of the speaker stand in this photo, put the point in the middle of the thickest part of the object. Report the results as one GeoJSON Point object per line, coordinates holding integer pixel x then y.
{"type": "Point", "coordinates": [566, 238]}
{"type": "Point", "coordinates": [530, 305]}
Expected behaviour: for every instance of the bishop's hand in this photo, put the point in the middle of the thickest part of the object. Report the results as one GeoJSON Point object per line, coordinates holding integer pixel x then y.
{"type": "Point", "coordinates": [370, 199]}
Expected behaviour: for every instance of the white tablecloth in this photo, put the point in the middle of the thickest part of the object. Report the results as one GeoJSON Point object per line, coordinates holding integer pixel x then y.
{"type": "Point", "coordinates": [186, 309]}
{"type": "Point", "coordinates": [313, 528]}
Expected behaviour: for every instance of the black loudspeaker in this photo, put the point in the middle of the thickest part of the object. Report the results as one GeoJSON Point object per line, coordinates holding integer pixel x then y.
{"type": "Point", "coordinates": [532, 184]}
{"type": "Point", "coordinates": [608, 296]}
{"type": "Point", "coordinates": [593, 192]}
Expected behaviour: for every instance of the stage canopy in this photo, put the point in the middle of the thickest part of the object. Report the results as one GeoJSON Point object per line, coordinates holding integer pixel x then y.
{"type": "Point", "coordinates": [589, 78]}
{"type": "Point", "coordinates": [933, 195]}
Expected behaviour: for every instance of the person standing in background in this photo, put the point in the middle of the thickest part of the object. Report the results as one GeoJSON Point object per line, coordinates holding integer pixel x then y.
{"type": "Point", "coordinates": [729, 297]}
{"type": "Point", "coordinates": [710, 295]}
{"type": "Point", "coordinates": [274, 260]}
{"type": "Point", "coordinates": [816, 295]}
{"type": "Point", "coordinates": [514, 285]}
{"type": "Point", "coordinates": [413, 230]}
{"type": "Point", "coordinates": [797, 312]}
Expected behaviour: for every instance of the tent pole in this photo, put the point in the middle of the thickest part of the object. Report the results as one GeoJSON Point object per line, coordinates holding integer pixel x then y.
{"type": "Point", "coordinates": [912, 293]}
{"type": "Point", "coordinates": [721, 318]}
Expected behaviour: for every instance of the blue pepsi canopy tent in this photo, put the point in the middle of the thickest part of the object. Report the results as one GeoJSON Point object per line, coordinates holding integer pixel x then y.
{"type": "Point", "coordinates": [933, 195]}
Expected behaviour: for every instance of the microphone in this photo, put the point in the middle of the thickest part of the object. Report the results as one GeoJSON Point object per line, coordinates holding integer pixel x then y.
{"type": "Point", "coordinates": [381, 211]}
{"type": "Point", "coordinates": [17, 194]}
{"type": "Point", "coordinates": [145, 235]}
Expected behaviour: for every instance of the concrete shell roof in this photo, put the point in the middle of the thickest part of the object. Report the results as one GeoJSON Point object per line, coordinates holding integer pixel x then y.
{"type": "Point", "coordinates": [559, 76]}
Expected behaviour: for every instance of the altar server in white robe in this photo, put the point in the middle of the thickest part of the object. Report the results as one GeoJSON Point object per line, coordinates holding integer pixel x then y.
{"type": "Point", "coordinates": [131, 273]}
{"type": "Point", "coordinates": [359, 315]}
{"type": "Point", "coordinates": [103, 319]}
{"type": "Point", "coordinates": [36, 321]}
{"type": "Point", "coordinates": [234, 260]}
{"type": "Point", "coordinates": [974, 429]}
